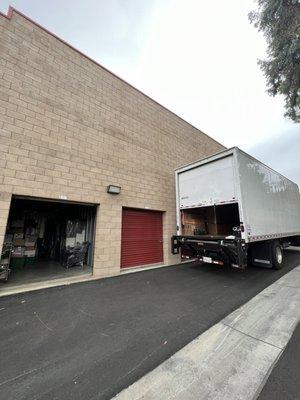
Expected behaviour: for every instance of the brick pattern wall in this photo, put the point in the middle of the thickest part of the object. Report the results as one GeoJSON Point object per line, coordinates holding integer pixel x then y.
{"type": "Point", "coordinates": [5, 199]}
{"type": "Point", "coordinates": [68, 127]}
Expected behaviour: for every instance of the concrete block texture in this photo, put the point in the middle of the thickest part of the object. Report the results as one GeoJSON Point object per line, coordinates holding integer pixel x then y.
{"type": "Point", "coordinates": [5, 199]}
{"type": "Point", "coordinates": [69, 127]}
{"type": "Point", "coordinates": [233, 359]}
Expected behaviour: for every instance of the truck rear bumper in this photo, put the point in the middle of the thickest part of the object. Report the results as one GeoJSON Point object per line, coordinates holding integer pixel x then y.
{"type": "Point", "coordinates": [219, 250]}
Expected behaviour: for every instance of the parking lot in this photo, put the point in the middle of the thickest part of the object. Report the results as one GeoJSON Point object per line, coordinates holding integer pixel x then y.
{"type": "Point", "coordinates": [91, 340]}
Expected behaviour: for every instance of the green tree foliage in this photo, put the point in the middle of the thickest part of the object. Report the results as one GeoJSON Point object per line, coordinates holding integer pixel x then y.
{"type": "Point", "coordinates": [279, 20]}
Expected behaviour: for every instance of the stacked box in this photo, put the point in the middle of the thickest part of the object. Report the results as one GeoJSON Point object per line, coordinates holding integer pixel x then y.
{"type": "Point", "coordinates": [18, 251]}
{"type": "Point", "coordinates": [192, 222]}
{"type": "Point", "coordinates": [30, 247]}
{"type": "Point", "coordinates": [30, 252]}
{"type": "Point", "coordinates": [18, 239]}
{"type": "Point", "coordinates": [24, 242]}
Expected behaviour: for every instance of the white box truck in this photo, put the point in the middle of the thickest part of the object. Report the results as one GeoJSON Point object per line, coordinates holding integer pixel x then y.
{"type": "Point", "coordinates": [233, 209]}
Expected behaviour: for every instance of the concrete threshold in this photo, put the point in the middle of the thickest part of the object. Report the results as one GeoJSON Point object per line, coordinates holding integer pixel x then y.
{"type": "Point", "coordinates": [233, 359]}
{"type": "Point", "coordinates": [141, 268]}
{"type": "Point", "coordinates": [29, 287]}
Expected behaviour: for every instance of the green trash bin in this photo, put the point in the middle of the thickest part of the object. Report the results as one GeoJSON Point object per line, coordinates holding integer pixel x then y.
{"type": "Point", "coordinates": [17, 262]}
{"type": "Point", "coordinates": [30, 260]}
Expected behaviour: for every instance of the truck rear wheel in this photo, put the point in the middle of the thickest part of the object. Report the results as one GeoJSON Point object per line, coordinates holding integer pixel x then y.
{"type": "Point", "coordinates": [277, 256]}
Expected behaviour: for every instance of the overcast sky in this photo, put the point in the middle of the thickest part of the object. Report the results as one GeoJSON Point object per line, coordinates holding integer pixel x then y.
{"type": "Point", "coordinates": [196, 57]}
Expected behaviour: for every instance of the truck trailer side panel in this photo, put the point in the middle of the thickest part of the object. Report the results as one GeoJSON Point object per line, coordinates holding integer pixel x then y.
{"type": "Point", "coordinates": [271, 202]}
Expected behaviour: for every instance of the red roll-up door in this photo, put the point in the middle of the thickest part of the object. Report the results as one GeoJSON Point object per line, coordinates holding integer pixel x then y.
{"type": "Point", "coordinates": [142, 234]}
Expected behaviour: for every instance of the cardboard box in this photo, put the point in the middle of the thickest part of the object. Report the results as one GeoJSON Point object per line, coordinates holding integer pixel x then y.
{"type": "Point", "coordinates": [30, 240]}
{"type": "Point", "coordinates": [18, 242]}
{"type": "Point", "coordinates": [19, 236]}
{"type": "Point", "coordinates": [29, 244]}
{"type": "Point", "coordinates": [18, 251]}
{"type": "Point", "coordinates": [29, 247]}
{"type": "Point", "coordinates": [30, 253]}
{"type": "Point", "coordinates": [188, 229]}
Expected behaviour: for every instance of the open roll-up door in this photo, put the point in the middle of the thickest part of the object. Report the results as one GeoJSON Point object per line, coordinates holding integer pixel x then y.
{"type": "Point", "coordinates": [142, 237]}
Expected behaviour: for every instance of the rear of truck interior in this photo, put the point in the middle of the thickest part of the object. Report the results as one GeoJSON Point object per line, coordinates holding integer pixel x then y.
{"type": "Point", "coordinates": [217, 220]}
{"type": "Point", "coordinates": [212, 220]}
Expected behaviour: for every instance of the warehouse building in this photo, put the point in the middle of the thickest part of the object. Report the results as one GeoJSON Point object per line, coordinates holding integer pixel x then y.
{"type": "Point", "coordinates": [87, 161]}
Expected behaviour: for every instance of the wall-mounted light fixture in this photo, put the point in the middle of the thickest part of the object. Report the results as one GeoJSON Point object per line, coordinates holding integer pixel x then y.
{"type": "Point", "coordinates": [112, 189]}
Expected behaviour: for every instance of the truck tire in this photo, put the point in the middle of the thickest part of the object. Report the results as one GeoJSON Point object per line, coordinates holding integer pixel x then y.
{"type": "Point", "coordinates": [277, 255]}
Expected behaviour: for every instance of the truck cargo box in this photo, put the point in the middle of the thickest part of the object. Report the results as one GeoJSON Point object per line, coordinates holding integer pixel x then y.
{"type": "Point", "coordinates": [233, 195]}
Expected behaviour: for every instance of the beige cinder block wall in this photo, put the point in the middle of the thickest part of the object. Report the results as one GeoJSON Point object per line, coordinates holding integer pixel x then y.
{"type": "Point", "coordinates": [68, 127]}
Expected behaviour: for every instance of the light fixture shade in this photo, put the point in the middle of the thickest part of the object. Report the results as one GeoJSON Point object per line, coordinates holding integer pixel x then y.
{"type": "Point", "coordinates": [112, 189]}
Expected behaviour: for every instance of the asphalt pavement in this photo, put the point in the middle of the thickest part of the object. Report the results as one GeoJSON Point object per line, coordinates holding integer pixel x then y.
{"type": "Point", "coordinates": [91, 340]}
{"type": "Point", "coordinates": [284, 381]}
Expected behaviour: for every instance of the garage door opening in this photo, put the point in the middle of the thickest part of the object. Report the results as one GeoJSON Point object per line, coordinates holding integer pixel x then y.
{"type": "Point", "coordinates": [49, 240]}
{"type": "Point", "coordinates": [142, 238]}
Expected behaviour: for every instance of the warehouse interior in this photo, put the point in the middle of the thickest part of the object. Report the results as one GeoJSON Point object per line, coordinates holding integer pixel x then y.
{"type": "Point", "coordinates": [49, 239]}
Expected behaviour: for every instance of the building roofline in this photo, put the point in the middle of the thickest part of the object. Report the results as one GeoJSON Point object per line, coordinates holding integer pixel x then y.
{"type": "Point", "coordinates": [12, 10]}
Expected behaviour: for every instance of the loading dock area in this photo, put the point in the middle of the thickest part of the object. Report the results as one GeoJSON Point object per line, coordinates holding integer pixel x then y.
{"type": "Point", "coordinates": [54, 240]}
{"type": "Point", "coordinates": [49, 239]}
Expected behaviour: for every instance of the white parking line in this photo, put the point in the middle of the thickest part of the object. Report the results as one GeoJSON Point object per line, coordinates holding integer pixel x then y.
{"type": "Point", "coordinates": [233, 359]}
